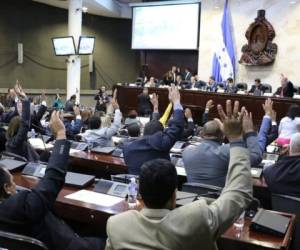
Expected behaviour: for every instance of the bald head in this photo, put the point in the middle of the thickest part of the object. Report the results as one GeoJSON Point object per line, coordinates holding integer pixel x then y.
{"type": "Point", "coordinates": [295, 144]}
{"type": "Point", "coordinates": [212, 131]}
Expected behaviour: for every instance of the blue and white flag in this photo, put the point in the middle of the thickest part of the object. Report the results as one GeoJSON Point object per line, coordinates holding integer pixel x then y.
{"type": "Point", "coordinates": [224, 58]}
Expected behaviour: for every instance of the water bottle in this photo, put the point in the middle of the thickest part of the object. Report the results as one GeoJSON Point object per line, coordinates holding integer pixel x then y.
{"type": "Point", "coordinates": [32, 135]}
{"type": "Point", "coordinates": [132, 193]}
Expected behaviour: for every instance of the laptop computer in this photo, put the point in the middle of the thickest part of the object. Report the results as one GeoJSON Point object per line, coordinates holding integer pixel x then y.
{"type": "Point", "coordinates": [72, 179]}
{"type": "Point", "coordinates": [103, 150]}
{"type": "Point", "coordinates": [268, 222]}
{"type": "Point", "coordinates": [12, 165]}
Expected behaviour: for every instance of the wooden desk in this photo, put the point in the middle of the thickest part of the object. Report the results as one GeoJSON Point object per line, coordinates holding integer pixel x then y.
{"type": "Point", "coordinates": [95, 216]}
{"type": "Point", "coordinates": [100, 165]}
{"type": "Point", "coordinates": [250, 240]}
{"type": "Point", "coordinates": [196, 100]}
{"type": "Point", "coordinates": [103, 166]}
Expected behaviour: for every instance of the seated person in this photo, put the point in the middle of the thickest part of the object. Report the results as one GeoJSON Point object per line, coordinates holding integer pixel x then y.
{"type": "Point", "coordinates": [101, 99]}
{"type": "Point", "coordinates": [286, 89]}
{"type": "Point", "coordinates": [57, 104]}
{"type": "Point", "coordinates": [131, 118]}
{"type": "Point", "coordinates": [30, 212]}
{"type": "Point", "coordinates": [70, 104]}
{"type": "Point", "coordinates": [257, 89]}
{"type": "Point", "coordinates": [102, 136]}
{"type": "Point", "coordinates": [198, 224]}
{"type": "Point", "coordinates": [144, 103]}
{"type": "Point", "coordinates": [179, 81]}
{"type": "Point", "coordinates": [156, 142]}
{"type": "Point", "coordinates": [187, 74]}
{"type": "Point", "coordinates": [151, 83]}
{"type": "Point", "coordinates": [37, 117]}
{"type": "Point", "coordinates": [168, 78]}
{"type": "Point", "coordinates": [73, 127]}
{"type": "Point", "coordinates": [16, 134]}
{"type": "Point", "coordinates": [208, 162]}
{"type": "Point", "coordinates": [133, 131]}
{"type": "Point", "coordinates": [5, 117]}
{"type": "Point", "coordinates": [189, 125]}
{"type": "Point", "coordinates": [289, 125]}
{"type": "Point", "coordinates": [193, 84]}
{"type": "Point", "coordinates": [284, 176]}
{"type": "Point", "coordinates": [268, 131]}
{"type": "Point", "coordinates": [230, 86]}
{"type": "Point", "coordinates": [212, 85]}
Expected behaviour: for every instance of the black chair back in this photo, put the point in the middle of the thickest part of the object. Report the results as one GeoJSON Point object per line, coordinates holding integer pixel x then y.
{"type": "Point", "coordinates": [242, 86]}
{"type": "Point", "coordinates": [201, 189]}
{"type": "Point", "coordinates": [289, 204]}
{"type": "Point", "coordinates": [268, 88]}
{"type": "Point", "coordinates": [13, 241]}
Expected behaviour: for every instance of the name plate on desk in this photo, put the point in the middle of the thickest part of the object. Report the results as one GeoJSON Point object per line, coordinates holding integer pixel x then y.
{"type": "Point", "coordinates": [95, 198]}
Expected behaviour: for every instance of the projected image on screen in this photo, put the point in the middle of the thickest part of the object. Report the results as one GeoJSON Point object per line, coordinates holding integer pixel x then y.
{"type": "Point", "coordinates": [86, 45]}
{"type": "Point", "coordinates": [64, 46]}
{"type": "Point", "coordinates": [165, 27]}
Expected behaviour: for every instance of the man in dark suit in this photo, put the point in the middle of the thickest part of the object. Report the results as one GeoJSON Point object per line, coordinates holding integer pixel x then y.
{"type": "Point", "coordinates": [144, 103]}
{"type": "Point", "coordinates": [156, 142]}
{"type": "Point", "coordinates": [69, 107]}
{"type": "Point", "coordinates": [258, 88]}
{"type": "Point", "coordinates": [187, 74]}
{"type": "Point", "coordinates": [30, 212]}
{"type": "Point", "coordinates": [284, 176]}
{"type": "Point", "coordinates": [286, 89]}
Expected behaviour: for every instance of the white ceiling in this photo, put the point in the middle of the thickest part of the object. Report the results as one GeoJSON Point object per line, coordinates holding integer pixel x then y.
{"type": "Point", "coordinates": [110, 8]}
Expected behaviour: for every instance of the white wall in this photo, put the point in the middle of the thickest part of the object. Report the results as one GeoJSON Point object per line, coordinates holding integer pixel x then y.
{"type": "Point", "coordinates": [284, 17]}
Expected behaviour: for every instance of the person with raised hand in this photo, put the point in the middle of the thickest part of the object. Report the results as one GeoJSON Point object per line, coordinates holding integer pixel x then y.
{"type": "Point", "coordinates": [156, 142]}
{"type": "Point", "coordinates": [208, 162]}
{"type": "Point", "coordinates": [102, 135]}
{"type": "Point", "coordinates": [160, 226]}
{"type": "Point", "coordinates": [268, 123]}
{"type": "Point", "coordinates": [30, 212]}
{"type": "Point", "coordinates": [18, 127]}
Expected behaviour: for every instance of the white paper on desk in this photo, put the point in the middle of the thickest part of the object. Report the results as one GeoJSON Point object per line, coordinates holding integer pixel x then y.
{"type": "Point", "coordinates": [38, 143]}
{"type": "Point", "coordinates": [72, 151]}
{"type": "Point", "coordinates": [94, 198]}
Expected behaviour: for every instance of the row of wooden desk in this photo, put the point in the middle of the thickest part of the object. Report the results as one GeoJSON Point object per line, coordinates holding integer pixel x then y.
{"type": "Point", "coordinates": [196, 101]}
{"type": "Point", "coordinates": [95, 217]}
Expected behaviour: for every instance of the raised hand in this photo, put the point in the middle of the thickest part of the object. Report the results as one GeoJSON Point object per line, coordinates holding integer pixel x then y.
{"type": "Point", "coordinates": [174, 95]}
{"type": "Point", "coordinates": [247, 122]}
{"type": "Point", "coordinates": [76, 110]}
{"type": "Point", "coordinates": [209, 105]}
{"type": "Point", "coordinates": [268, 107]}
{"type": "Point", "coordinates": [114, 101]}
{"type": "Point", "coordinates": [188, 113]}
{"type": "Point", "coordinates": [154, 101]}
{"type": "Point", "coordinates": [57, 126]}
{"type": "Point", "coordinates": [19, 90]}
{"type": "Point", "coordinates": [232, 121]}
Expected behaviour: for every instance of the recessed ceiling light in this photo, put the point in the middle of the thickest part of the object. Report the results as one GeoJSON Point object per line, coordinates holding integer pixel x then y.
{"type": "Point", "coordinates": [293, 2]}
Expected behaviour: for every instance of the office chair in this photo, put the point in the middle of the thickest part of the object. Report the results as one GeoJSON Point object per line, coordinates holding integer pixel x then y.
{"type": "Point", "coordinates": [201, 189]}
{"type": "Point", "coordinates": [242, 86]}
{"type": "Point", "coordinates": [268, 88]}
{"type": "Point", "coordinates": [13, 241]}
{"type": "Point", "coordinates": [289, 204]}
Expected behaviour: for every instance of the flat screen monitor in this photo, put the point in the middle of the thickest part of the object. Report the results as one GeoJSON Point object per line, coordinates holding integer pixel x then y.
{"type": "Point", "coordinates": [64, 46]}
{"type": "Point", "coordinates": [174, 26]}
{"type": "Point", "coordinates": [86, 45]}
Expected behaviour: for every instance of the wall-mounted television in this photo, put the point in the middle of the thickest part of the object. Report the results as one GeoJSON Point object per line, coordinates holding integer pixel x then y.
{"type": "Point", "coordinates": [86, 45]}
{"type": "Point", "coordinates": [64, 46]}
